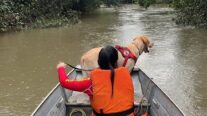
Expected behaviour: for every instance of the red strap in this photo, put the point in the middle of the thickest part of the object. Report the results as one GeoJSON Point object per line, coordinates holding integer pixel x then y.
{"type": "Point", "coordinates": [126, 53]}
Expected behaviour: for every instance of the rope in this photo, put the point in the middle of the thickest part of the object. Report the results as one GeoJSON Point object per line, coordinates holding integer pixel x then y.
{"type": "Point", "coordinates": [141, 103]}
{"type": "Point", "coordinates": [77, 110]}
{"type": "Point", "coordinates": [79, 69]}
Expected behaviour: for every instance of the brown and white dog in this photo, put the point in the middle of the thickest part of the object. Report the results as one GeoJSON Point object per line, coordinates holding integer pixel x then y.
{"type": "Point", "coordinates": [140, 44]}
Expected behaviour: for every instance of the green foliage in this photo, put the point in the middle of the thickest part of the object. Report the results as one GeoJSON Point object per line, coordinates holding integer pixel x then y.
{"type": "Point", "coordinates": [18, 14]}
{"type": "Point", "coordinates": [86, 5]}
{"type": "Point", "coordinates": [164, 1]}
{"type": "Point", "coordinates": [7, 16]}
{"type": "Point", "coordinates": [146, 3]}
{"type": "Point", "coordinates": [191, 12]}
{"type": "Point", "coordinates": [112, 2]}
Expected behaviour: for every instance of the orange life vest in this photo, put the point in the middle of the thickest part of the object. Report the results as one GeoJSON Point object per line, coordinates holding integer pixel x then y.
{"type": "Point", "coordinates": [123, 95]}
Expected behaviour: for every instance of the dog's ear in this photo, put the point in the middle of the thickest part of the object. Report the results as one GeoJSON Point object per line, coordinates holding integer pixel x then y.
{"type": "Point", "coordinates": [147, 43]}
{"type": "Point", "coordinates": [145, 40]}
{"type": "Point", "coordinates": [151, 45]}
{"type": "Point", "coordinates": [146, 50]}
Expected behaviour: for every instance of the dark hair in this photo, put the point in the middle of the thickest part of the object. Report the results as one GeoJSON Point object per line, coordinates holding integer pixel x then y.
{"type": "Point", "coordinates": [107, 59]}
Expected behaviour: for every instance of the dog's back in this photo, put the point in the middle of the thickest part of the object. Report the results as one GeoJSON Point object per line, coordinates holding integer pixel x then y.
{"type": "Point", "coordinates": [139, 44]}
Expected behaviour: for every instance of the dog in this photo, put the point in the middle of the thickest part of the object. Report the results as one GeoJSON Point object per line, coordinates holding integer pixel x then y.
{"type": "Point", "coordinates": [89, 60]}
{"type": "Point", "coordinates": [140, 44]}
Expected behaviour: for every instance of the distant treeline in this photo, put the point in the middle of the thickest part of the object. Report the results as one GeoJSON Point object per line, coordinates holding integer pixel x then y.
{"type": "Point", "coordinates": [21, 14]}
{"type": "Point", "coordinates": [191, 12]}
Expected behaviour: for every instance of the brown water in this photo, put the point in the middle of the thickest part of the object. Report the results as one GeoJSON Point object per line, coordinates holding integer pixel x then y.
{"type": "Point", "coordinates": [177, 63]}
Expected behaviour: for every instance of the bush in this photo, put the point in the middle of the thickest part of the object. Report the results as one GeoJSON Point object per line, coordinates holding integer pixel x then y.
{"type": "Point", "coordinates": [86, 5]}
{"type": "Point", "coordinates": [18, 14]}
{"type": "Point", "coordinates": [146, 3]}
{"type": "Point", "coordinates": [112, 2]}
{"type": "Point", "coordinates": [191, 12]}
{"type": "Point", "coordinates": [8, 18]}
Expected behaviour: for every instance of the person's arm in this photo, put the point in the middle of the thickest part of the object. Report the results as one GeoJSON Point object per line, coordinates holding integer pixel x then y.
{"type": "Point", "coordinates": [66, 82]}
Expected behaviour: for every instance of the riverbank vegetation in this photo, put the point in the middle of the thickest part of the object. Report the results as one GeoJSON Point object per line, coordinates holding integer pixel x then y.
{"type": "Point", "coordinates": [24, 14]}
{"type": "Point", "coordinates": [191, 12]}
{"type": "Point", "coordinates": [21, 14]}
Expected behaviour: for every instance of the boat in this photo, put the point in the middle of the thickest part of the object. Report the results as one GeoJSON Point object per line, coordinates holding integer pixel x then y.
{"type": "Point", "coordinates": [148, 98]}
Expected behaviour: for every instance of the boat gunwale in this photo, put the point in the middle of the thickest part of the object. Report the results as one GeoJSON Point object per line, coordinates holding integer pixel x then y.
{"type": "Point", "coordinates": [47, 96]}
{"type": "Point", "coordinates": [172, 101]}
{"type": "Point", "coordinates": [58, 85]}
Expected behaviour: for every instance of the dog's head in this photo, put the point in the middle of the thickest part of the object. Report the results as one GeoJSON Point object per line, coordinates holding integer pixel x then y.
{"type": "Point", "coordinates": [146, 41]}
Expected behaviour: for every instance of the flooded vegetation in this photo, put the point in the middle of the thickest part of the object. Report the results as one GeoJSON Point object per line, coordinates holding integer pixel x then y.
{"type": "Point", "coordinates": [177, 62]}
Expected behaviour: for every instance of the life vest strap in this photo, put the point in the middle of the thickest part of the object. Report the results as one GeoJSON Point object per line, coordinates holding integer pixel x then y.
{"type": "Point", "coordinates": [123, 113]}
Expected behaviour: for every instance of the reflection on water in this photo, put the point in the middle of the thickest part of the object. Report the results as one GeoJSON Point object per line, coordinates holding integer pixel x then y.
{"type": "Point", "coordinates": [177, 63]}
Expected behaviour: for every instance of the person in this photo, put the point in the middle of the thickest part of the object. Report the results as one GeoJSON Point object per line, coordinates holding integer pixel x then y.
{"type": "Point", "coordinates": [110, 88]}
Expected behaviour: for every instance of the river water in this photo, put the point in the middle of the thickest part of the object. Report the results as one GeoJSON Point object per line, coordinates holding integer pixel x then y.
{"type": "Point", "coordinates": [177, 62]}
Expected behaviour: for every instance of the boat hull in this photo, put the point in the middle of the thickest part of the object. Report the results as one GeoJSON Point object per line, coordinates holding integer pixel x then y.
{"type": "Point", "coordinates": [155, 101]}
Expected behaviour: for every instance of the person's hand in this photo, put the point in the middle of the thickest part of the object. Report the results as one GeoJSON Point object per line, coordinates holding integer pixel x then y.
{"type": "Point", "coordinates": [61, 64]}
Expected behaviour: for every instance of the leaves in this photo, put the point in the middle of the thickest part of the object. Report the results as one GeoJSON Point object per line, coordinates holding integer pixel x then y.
{"type": "Point", "coordinates": [191, 12]}
{"type": "Point", "coordinates": [16, 14]}
{"type": "Point", "coordinates": [146, 3]}
{"type": "Point", "coordinates": [20, 13]}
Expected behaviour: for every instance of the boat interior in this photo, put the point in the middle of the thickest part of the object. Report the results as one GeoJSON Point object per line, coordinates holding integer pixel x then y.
{"type": "Point", "coordinates": [77, 103]}
{"type": "Point", "coordinates": [148, 98]}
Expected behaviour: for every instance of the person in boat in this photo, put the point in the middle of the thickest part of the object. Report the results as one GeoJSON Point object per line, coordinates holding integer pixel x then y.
{"type": "Point", "coordinates": [110, 88]}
